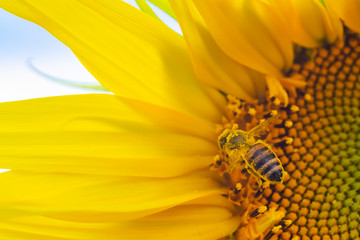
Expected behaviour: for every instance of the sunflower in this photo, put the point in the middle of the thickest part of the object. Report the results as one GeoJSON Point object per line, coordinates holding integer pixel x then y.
{"type": "Point", "coordinates": [145, 163]}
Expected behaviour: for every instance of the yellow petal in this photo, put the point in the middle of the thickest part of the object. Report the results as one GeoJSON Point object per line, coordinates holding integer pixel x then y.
{"type": "Point", "coordinates": [129, 53]}
{"type": "Point", "coordinates": [215, 200]}
{"type": "Point", "coordinates": [211, 64]}
{"type": "Point", "coordinates": [276, 89]}
{"type": "Point", "coordinates": [309, 23]}
{"type": "Point", "coordinates": [102, 134]}
{"type": "Point", "coordinates": [143, 5]}
{"type": "Point", "coordinates": [250, 32]}
{"type": "Point", "coordinates": [156, 155]}
{"type": "Point", "coordinates": [54, 193]}
{"type": "Point", "coordinates": [348, 11]}
{"type": "Point", "coordinates": [182, 222]}
{"type": "Point", "coordinates": [98, 112]}
{"type": "Point", "coordinates": [165, 6]}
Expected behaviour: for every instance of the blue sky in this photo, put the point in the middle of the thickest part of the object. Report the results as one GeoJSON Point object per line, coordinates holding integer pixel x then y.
{"type": "Point", "coordinates": [20, 41]}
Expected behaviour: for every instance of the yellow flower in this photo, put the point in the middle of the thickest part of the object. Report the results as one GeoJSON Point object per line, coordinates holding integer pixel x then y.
{"type": "Point", "coordinates": [309, 23]}
{"type": "Point", "coordinates": [347, 11]}
{"type": "Point", "coordinates": [136, 165]}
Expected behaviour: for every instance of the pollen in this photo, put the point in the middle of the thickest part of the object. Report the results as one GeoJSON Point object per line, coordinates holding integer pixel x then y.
{"type": "Point", "coordinates": [317, 139]}
{"type": "Point", "coordinates": [252, 111]}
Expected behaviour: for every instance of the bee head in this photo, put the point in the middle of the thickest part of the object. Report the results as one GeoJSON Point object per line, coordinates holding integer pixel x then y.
{"type": "Point", "coordinates": [231, 139]}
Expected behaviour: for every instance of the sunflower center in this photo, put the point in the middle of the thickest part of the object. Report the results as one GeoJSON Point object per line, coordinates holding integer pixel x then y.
{"type": "Point", "coordinates": [317, 139]}
{"type": "Point", "coordinates": [322, 195]}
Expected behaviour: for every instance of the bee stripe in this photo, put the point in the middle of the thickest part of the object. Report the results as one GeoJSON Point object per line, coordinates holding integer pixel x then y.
{"type": "Point", "coordinates": [254, 148]}
{"type": "Point", "coordinates": [275, 174]}
{"type": "Point", "coordinates": [268, 166]}
{"type": "Point", "coordinates": [263, 159]}
{"type": "Point", "coordinates": [255, 152]}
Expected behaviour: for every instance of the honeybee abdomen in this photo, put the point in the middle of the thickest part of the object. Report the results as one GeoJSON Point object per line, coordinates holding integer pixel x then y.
{"type": "Point", "coordinates": [265, 162]}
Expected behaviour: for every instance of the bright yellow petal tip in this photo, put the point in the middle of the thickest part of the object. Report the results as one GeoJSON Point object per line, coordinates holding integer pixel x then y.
{"type": "Point", "coordinates": [309, 22]}
{"type": "Point", "coordinates": [147, 62]}
{"type": "Point", "coordinates": [249, 31]}
{"type": "Point", "coordinates": [211, 64]}
{"type": "Point", "coordinates": [348, 11]}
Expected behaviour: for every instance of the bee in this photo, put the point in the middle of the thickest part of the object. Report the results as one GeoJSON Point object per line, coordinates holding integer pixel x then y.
{"type": "Point", "coordinates": [255, 155]}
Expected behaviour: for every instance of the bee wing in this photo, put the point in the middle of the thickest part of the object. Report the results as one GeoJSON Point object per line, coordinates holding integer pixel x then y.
{"type": "Point", "coordinates": [261, 128]}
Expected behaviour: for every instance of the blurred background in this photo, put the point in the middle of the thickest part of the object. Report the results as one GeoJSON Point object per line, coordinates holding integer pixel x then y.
{"type": "Point", "coordinates": [25, 47]}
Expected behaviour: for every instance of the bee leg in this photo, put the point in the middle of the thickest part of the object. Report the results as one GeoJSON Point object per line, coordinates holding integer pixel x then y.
{"type": "Point", "coordinates": [241, 163]}
{"type": "Point", "coordinates": [260, 183]}
{"type": "Point", "coordinates": [258, 193]}
{"type": "Point", "coordinates": [262, 187]}
{"type": "Point", "coordinates": [243, 167]}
